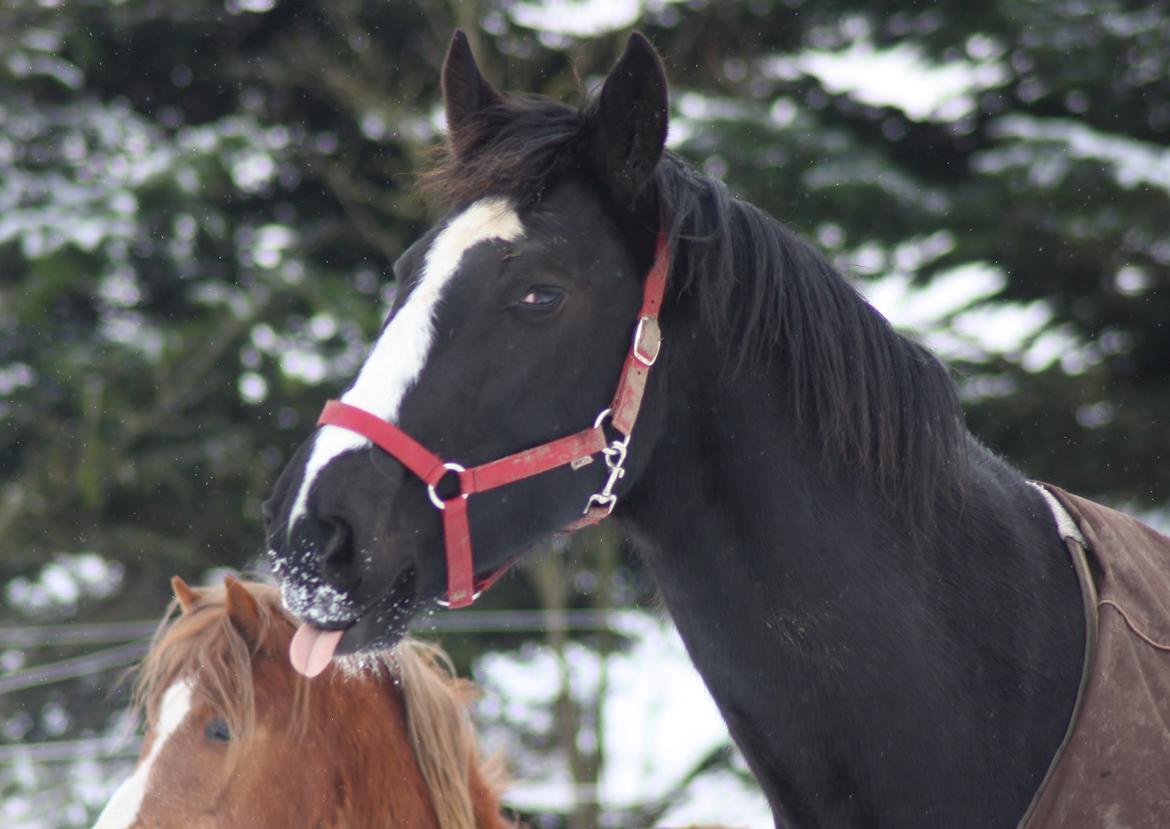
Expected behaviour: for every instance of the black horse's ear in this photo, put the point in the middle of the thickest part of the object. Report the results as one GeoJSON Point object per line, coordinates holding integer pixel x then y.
{"type": "Point", "coordinates": [465, 91]}
{"type": "Point", "coordinates": [630, 119]}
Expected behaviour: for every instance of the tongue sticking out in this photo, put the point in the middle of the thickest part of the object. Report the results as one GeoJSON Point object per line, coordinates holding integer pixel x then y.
{"type": "Point", "coordinates": [312, 648]}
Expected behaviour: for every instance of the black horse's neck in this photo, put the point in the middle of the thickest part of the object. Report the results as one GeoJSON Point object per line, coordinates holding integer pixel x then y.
{"type": "Point", "coordinates": [874, 673]}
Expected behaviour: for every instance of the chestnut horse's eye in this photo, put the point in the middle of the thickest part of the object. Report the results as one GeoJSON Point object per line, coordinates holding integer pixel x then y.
{"type": "Point", "coordinates": [218, 730]}
{"type": "Point", "coordinates": [542, 297]}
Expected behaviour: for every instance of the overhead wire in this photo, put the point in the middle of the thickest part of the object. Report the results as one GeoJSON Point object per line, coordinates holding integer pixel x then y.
{"type": "Point", "coordinates": [73, 667]}
{"type": "Point", "coordinates": [466, 621]}
{"type": "Point", "coordinates": [136, 635]}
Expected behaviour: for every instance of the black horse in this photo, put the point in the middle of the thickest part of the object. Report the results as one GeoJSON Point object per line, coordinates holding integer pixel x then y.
{"type": "Point", "coordinates": [882, 609]}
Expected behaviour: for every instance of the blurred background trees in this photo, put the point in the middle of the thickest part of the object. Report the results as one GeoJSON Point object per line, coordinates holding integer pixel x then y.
{"type": "Point", "coordinates": [200, 204]}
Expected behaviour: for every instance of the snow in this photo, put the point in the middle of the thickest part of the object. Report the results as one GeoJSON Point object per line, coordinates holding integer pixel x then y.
{"type": "Point", "coordinates": [308, 596]}
{"type": "Point", "coordinates": [253, 171]}
{"type": "Point", "coordinates": [954, 317]}
{"type": "Point", "coordinates": [731, 799]}
{"type": "Point", "coordinates": [305, 365]}
{"type": "Point", "coordinates": [659, 724]}
{"type": "Point", "coordinates": [15, 376]}
{"type": "Point", "coordinates": [252, 387]}
{"type": "Point", "coordinates": [270, 243]}
{"type": "Point", "coordinates": [254, 6]}
{"type": "Point", "coordinates": [63, 582]}
{"type": "Point", "coordinates": [578, 18]}
{"type": "Point", "coordinates": [1047, 146]}
{"type": "Point", "coordinates": [900, 76]}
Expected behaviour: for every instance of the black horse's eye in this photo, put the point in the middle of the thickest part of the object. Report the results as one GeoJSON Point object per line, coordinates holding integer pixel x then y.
{"type": "Point", "coordinates": [542, 297]}
{"type": "Point", "coordinates": [217, 729]}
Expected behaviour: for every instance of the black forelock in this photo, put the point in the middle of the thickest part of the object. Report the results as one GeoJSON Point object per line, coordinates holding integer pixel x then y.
{"type": "Point", "coordinates": [516, 147]}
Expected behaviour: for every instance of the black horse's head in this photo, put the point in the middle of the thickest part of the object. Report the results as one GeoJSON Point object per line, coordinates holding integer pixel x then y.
{"type": "Point", "coordinates": [510, 329]}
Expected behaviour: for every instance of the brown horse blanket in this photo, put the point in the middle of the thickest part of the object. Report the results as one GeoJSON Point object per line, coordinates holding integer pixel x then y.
{"type": "Point", "coordinates": [1113, 769]}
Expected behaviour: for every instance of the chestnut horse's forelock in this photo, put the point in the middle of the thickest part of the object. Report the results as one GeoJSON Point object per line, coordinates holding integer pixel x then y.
{"type": "Point", "coordinates": [203, 642]}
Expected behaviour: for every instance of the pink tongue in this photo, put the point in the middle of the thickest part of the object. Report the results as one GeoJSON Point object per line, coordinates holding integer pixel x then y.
{"type": "Point", "coordinates": [312, 648]}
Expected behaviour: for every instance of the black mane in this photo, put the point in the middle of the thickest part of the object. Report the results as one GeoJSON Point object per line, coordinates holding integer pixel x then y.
{"type": "Point", "coordinates": [873, 399]}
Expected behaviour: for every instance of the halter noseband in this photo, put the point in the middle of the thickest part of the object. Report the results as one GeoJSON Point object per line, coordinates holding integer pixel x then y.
{"type": "Point", "coordinates": [576, 450]}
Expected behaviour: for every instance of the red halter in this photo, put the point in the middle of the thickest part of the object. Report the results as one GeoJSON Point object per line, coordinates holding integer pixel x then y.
{"type": "Point", "coordinates": [576, 450]}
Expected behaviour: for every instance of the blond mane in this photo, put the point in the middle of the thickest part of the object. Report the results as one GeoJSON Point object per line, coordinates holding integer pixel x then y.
{"type": "Point", "coordinates": [203, 639]}
{"type": "Point", "coordinates": [441, 731]}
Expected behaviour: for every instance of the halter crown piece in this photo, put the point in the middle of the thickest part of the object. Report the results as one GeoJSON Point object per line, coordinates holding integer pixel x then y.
{"type": "Point", "coordinates": [575, 450]}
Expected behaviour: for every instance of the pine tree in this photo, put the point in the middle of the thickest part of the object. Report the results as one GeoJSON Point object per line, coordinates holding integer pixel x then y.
{"type": "Point", "coordinates": [200, 204]}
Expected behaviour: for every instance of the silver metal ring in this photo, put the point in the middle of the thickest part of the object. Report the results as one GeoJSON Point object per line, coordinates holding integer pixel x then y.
{"type": "Point", "coordinates": [435, 499]}
{"type": "Point", "coordinates": [441, 602]}
{"type": "Point", "coordinates": [604, 414]}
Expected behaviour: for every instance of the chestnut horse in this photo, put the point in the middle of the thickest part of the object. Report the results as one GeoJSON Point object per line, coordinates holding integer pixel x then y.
{"type": "Point", "coordinates": [236, 738]}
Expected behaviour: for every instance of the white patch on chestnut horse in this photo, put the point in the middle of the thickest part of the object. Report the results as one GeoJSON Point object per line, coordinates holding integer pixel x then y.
{"type": "Point", "coordinates": [122, 810]}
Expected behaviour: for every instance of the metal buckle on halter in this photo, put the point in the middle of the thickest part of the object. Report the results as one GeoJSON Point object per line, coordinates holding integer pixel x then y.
{"type": "Point", "coordinates": [435, 499]}
{"type": "Point", "coordinates": [647, 354]}
{"type": "Point", "coordinates": [615, 459]}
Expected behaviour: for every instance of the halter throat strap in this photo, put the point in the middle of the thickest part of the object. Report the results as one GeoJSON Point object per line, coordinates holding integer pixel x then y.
{"type": "Point", "coordinates": [575, 450]}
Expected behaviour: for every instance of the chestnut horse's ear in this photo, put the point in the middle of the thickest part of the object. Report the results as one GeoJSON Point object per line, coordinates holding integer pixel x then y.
{"type": "Point", "coordinates": [465, 91]}
{"type": "Point", "coordinates": [187, 595]}
{"type": "Point", "coordinates": [630, 119]}
{"type": "Point", "coordinates": [242, 610]}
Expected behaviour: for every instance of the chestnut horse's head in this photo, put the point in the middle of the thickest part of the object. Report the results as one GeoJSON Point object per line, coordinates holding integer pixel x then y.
{"type": "Point", "coordinates": [236, 738]}
{"type": "Point", "coordinates": [511, 326]}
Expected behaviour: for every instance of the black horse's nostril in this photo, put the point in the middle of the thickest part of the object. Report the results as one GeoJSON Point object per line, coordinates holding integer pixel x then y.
{"type": "Point", "coordinates": [268, 511]}
{"type": "Point", "coordinates": [338, 552]}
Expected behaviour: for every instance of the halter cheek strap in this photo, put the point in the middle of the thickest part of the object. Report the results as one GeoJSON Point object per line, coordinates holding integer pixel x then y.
{"type": "Point", "coordinates": [576, 450]}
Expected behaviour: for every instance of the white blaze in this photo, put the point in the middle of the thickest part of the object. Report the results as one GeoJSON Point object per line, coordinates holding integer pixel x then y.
{"type": "Point", "coordinates": [122, 810]}
{"type": "Point", "coordinates": [399, 355]}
